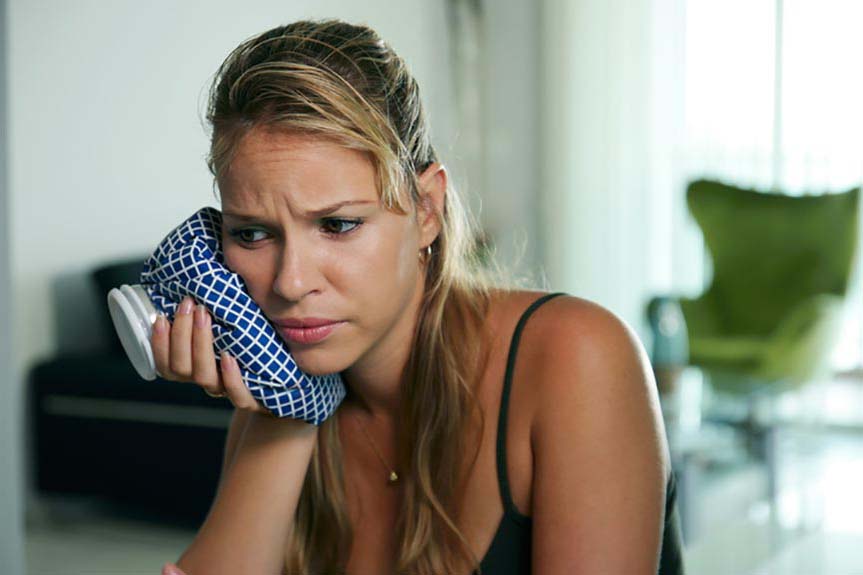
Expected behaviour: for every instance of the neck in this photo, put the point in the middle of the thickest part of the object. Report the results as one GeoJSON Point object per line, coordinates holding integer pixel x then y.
{"type": "Point", "coordinates": [375, 404]}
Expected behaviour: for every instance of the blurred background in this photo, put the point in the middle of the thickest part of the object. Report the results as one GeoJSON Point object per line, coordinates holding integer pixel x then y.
{"type": "Point", "coordinates": [692, 165]}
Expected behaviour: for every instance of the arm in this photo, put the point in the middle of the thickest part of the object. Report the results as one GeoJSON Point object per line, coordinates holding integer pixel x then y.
{"type": "Point", "coordinates": [264, 465]}
{"type": "Point", "coordinates": [247, 527]}
{"type": "Point", "coordinates": [601, 457]}
{"type": "Point", "coordinates": [239, 419]}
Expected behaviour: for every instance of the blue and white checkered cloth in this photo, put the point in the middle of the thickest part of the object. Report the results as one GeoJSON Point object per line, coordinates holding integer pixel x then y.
{"type": "Point", "coordinates": [190, 261]}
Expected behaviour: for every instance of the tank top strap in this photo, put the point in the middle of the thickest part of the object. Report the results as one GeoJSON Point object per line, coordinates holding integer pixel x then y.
{"type": "Point", "coordinates": [503, 480]}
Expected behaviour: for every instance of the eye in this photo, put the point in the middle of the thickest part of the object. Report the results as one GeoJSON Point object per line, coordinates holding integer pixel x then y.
{"type": "Point", "coordinates": [243, 239]}
{"type": "Point", "coordinates": [333, 226]}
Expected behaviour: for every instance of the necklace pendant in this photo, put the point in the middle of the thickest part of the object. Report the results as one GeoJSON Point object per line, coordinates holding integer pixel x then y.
{"type": "Point", "coordinates": [393, 477]}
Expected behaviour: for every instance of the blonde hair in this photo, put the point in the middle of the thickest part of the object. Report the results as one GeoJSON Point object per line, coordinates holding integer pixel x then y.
{"type": "Point", "coordinates": [341, 81]}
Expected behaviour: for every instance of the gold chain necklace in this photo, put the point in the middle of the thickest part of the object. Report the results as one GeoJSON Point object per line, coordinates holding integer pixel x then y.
{"type": "Point", "coordinates": [393, 477]}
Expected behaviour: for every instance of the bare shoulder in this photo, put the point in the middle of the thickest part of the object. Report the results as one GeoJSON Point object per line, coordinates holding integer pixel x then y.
{"type": "Point", "coordinates": [596, 438]}
{"type": "Point", "coordinates": [576, 335]}
{"type": "Point", "coordinates": [586, 358]}
{"type": "Point", "coordinates": [565, 326]}
{"type": "Point", "coordinates": [598, 443]}
{"type": "Point", "coordinates": [573, 346]}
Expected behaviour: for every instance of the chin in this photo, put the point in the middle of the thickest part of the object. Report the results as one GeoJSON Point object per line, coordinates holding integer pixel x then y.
{"type": "Point", "coordinates": [324, 365]}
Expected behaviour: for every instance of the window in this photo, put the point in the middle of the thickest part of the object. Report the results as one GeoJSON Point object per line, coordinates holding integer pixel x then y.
{"type": "Point", "coordinates": [773, 101]}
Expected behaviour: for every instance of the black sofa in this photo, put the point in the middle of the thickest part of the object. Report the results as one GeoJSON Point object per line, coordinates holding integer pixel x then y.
{"type": "Point", "coordinates": [150, 447]}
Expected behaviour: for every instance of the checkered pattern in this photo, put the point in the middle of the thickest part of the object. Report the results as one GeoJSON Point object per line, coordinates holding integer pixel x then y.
{"type": "Point", "coordinates": [189, 261]}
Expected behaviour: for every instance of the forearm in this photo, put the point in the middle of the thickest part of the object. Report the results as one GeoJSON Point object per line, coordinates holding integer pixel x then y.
{"type": "Point", "coordinates": [239, 419]}
{"type": "Point", "coordinates": [247, 527]}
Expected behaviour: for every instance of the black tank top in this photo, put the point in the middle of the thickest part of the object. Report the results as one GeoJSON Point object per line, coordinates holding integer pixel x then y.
{"type": "Point", "coordinates": [510, 549]}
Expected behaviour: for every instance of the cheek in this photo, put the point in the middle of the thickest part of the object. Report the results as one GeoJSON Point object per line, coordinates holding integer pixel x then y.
{"type": "Point", "coordinates": [249, 268]}
{"type": "Point", "coordinates": [234, 260]}
{"type": "Point", "coordinates": [407, 261]}
{"type": "Point", "coordinates": [387, 262]}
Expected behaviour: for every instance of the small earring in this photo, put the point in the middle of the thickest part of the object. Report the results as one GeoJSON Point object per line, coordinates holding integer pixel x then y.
{"type": "Point", "coordinates": [428, 253]}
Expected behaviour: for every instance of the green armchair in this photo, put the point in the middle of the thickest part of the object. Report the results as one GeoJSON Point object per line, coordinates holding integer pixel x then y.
{"type": "Point", "coordinates": [771, 316]}
{"type": "Point", "coordinates": [781, 268]}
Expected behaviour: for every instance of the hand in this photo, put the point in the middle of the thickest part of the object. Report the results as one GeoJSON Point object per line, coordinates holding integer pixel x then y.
{"type": "Point", "coordinates": [184, 352]}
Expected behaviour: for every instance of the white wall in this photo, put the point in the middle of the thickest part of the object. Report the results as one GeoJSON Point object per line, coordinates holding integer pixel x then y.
{"type": "Point", "coordinates": [106, 143]}
{"type": "Point", "coordinates": [615, 227]}
{"type": "Point", "coordinates": [107, 146]}
{"type": "Point", "coordinates": [513, 187]}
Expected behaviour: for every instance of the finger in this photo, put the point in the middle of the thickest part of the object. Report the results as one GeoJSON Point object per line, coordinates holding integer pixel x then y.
{"type": "Point", "coordinates": [181, 340]}
{"type": "Point", "coordinates": [203, 357]}
{"type": "Point", "coordinates": [159, 343]}
{"type": "Point", "coordinates": [171, 569]}
{"type": "Point", "coordinates": [236, 389]}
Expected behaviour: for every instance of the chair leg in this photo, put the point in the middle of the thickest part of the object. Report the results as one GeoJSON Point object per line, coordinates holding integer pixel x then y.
{"type": "Point", "coordinates": [762, 441]}
{"type": "Point", "coordinates": [771, 462]}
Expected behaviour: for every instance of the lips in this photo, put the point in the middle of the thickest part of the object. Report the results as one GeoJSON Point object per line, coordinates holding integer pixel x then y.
{"type": "Point", "coordinates": [304, 322]}
{"type": "Point", "coordinates": [308, 335]}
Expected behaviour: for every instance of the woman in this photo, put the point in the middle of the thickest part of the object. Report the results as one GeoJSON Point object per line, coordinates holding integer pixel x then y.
{"type": "Point", "coordinates": [470, 438]}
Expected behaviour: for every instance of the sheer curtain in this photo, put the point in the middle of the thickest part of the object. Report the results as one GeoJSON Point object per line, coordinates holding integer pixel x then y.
{"type": "Point", "coordinates": [639, 96]}
{"type": "Point", "coordinates": [774, 100]}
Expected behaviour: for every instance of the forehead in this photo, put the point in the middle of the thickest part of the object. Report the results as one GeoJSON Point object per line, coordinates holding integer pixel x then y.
{"type": "Point", "coordinates": [304, 168]}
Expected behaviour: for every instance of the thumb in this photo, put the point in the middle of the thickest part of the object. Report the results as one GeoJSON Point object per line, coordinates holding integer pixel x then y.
{"type": "Point", "coordinates": [171, 569]}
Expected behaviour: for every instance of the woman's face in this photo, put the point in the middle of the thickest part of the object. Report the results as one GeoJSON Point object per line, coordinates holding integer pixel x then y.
{"type": "Point", "coordinates": [357, 264]}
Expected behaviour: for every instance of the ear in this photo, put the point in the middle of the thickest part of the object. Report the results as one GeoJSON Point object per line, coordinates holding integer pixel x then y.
{"type": "Point", "coordinates": [432, 184]}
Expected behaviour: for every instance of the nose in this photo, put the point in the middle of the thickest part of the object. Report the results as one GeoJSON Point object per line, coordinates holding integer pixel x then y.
{"type": "Point", "coordinates": [297, 272]}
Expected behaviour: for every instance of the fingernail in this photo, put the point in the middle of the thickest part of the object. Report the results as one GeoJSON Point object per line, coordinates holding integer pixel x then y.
{"type": "Point", "coordinates": [200, 316]}
{"type": "Point", "coordinates": [186, 306]}
{"type": "Point", "coordinates": [170, 569]}
{"type": "Point", "coordinates": [161, 324]}
{"type": "Point", "coordinates": [226, 360]}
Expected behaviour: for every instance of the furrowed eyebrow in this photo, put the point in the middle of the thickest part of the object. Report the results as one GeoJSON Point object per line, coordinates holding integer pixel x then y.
{"type": "Point", "coordinates": [311, 213]}
{"type": "Point", "coordinates": [334, 207]}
